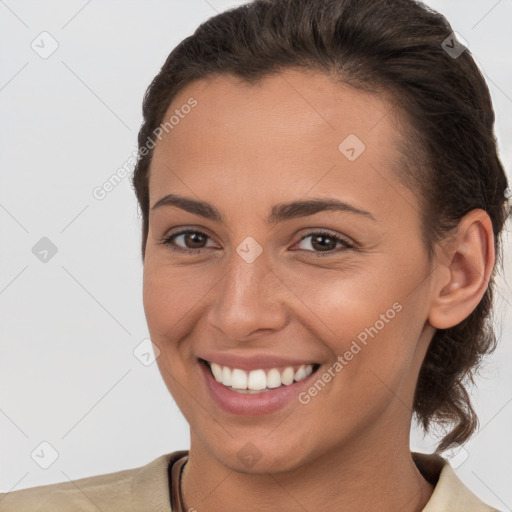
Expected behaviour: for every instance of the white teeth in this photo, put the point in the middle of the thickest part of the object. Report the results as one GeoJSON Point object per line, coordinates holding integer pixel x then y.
{"type": "Point", "coordinates": [258, 380]}
{"type": "Point", "coordinates": [238, 379]}
{"type": "Point", "coordinates": [226, 376]}
{"type": "Point", "coordinates": [287, 376]}
{"type": "Point", "coordinates": [273, 378]}
{"type": "Point", "coordinates": [300, 373]}
{"type": "Point", "coordinates": [217, 371]}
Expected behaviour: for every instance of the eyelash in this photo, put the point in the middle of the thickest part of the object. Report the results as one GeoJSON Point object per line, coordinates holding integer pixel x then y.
{"type": "Point", "coordinates": [168, 240]}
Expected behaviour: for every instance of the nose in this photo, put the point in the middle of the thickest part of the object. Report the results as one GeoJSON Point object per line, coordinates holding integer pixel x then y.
{"type": "Point", "coordinates": [249, 299]}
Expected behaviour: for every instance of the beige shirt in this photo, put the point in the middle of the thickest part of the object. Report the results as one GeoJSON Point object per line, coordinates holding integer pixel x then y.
{"type": "Point", "coordinates": [147, 489]}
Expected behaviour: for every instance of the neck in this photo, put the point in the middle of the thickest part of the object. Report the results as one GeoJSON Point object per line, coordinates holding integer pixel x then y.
{"type": "Point", "coordinates": [342, 480]}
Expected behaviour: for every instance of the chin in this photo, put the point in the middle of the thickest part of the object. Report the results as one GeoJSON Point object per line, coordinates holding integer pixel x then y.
{"type": "Point", "coordinates": [259, 455]}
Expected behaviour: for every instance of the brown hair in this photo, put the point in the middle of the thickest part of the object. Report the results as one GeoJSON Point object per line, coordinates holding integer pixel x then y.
{"type": "Point", "coordinates": [449, 157]}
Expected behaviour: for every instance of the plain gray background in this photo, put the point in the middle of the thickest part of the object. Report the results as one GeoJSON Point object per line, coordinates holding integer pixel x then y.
{"type": "Point", "coordinates": [70, 325]}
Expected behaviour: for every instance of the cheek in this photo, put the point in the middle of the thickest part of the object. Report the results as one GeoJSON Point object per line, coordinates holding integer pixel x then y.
{"type": "Point", "coordinates": [370, 322]}
{"type": "Point", "coordinates": [342, 303]}
{"type": "Point", "coordinates": [171, 297]}
{"type": "Point", "coordinates": [371, 363]}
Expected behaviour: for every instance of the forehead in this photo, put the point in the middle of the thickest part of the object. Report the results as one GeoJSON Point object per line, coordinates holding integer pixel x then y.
{"type": "Point", "coordinates": [288, 133]}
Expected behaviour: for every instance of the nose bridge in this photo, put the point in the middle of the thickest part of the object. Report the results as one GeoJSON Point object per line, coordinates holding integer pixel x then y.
{"type": "Point", "coordinates": [243, 282]}
{"type": "Point", "coordinates": [246, 298]}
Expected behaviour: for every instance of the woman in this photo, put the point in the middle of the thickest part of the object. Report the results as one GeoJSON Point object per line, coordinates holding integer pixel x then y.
{"type": "Point", "coordinates": [322, 202]}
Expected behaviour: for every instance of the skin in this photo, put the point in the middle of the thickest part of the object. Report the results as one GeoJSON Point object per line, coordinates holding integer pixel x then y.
{"type": "Point", "coordinates": [274, 142]}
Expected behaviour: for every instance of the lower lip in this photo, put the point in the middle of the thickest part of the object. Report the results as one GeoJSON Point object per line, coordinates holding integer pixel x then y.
{"type": "Point", "coordinates": [246, 404]}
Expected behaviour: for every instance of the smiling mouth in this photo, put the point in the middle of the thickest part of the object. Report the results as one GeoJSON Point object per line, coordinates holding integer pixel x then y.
{"type": "Point", "coordinates": [259, 380]}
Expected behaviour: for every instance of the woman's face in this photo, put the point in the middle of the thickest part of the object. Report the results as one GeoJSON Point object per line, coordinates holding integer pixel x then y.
{"type": "Point", "coordinates": [265, 285]}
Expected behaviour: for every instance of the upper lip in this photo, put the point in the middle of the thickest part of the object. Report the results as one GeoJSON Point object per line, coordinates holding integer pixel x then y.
{"type": "Point", "coordinates": [254, 362]}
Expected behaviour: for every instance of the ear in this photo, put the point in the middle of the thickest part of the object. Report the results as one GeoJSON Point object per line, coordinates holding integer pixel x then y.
{"type": "Point", "coordinates": [464, 266]}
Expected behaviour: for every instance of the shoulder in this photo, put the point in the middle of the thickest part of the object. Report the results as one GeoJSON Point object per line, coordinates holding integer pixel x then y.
{"type": "Point", "coordinates": [450, 494]}
{"type": "Point", "coordinates": [129, 489]}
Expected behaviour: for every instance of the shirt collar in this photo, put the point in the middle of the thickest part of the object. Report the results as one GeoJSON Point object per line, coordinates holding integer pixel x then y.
{"type": "Point", "coordinates": [450, 494]}
{"type": "Point", "coordinates": [150, 485]}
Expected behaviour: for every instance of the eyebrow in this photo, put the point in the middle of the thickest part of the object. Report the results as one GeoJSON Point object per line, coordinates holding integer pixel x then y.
{"type": "Point", "coordinates": [279, 212]}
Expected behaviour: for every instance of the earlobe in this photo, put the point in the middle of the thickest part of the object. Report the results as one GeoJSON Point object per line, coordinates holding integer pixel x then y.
{"type": "Point", "coordinates": [469, 259]}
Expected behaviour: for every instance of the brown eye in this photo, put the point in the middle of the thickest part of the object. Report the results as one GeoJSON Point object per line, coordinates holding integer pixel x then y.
{"type": "Point", "coordinates": [324, 242]}
{"type": "Point", "coordinates": [193, 241]}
